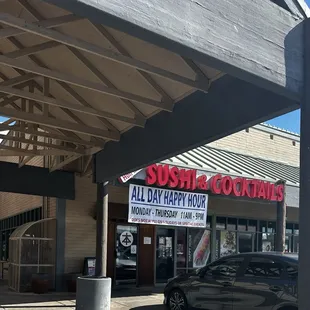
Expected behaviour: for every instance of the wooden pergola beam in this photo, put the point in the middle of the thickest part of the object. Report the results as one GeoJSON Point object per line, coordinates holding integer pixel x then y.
{"type": "Point", "coordinates": [63, 163]}
{"type": "Point", "coordinates": [41, 133]}
{"type": "Point", "coordinates": [32, 49]}
{"type": "Point", "coordinates": [48, 23]}
{"type": "Point", "coordinates": [13, 151]}
{"type": "Point", "coordinates": [73, 80]}
{"type": "Point", "coordinates": [68, 105]}
{"type": "Point", "coordinates": [43, 144]}
{"type": "Point", "coordinates": [99, 51]}
{"type": "Point", "coordinates": [55, 123]}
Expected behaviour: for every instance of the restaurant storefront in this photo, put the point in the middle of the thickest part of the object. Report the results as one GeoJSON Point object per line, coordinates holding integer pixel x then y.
{"type": "Point", "coordinates": [178, 220]}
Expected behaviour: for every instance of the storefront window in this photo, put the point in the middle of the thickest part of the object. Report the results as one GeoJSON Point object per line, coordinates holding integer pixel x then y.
{"type": "Point", "coordinates": [266, 242]}
{"type": "Point", "coordinates": [221, 223]}
{"type": "Point", "coordinates": [263, 226]}
{"type": "Point", "coordinates": [226, 243]}
{"type": "Point", "coordinates": [252, 225]}
{"type": "Point", "coordinates": [199, 248]}
{"type": "Point", "coordinates": [181, 248]}
{"type": "Point", "coordinates": [271, 227]}
{"type": "Point", "coordinates": [296, 238]}
{"type": "Point", "coordinates": [242, 225]}
{"type": "Point", "coordinates": [231, 224]}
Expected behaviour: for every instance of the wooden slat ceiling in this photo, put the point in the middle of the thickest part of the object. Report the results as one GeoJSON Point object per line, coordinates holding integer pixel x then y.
{"type": "Point", "coordinates": [69, 86]}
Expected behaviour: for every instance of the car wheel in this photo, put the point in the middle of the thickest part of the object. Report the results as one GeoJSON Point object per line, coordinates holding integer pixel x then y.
{"type": "Point", "coordinates": [177, 300]}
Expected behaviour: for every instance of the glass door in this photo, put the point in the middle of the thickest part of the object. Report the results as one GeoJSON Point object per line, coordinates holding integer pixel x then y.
{"type": "Point", "coordinates": [165, 251]}
{"type": "Point", "coordinates": [126, 254]}
{"type": "Point", "coordinates": [245, 242]}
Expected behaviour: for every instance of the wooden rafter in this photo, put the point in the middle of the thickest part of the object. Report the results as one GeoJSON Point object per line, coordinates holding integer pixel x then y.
{"type": "Point", "coordinates": [68, 105]}
{"type": "Point", "coordinates": [46, 134]}
{"type": "Point", "coordinates": [71, 115]}
{"type": "Point", "coordinates": [33, 142]}
{"type": "Point", "coordinates": [55, 123]}
{"type": "Point", "coordinates": [66, 161]}
{"type": "Point", "coordinates": [36, 14]}
{"type": "Point", "coordinates": [32, 49]}
{"type": "Point", "coordinates": [99, 51]}
{"type": "Point", "coordinates": [73, 80]}
{"type": "Point", "coordinates": [48, 23]}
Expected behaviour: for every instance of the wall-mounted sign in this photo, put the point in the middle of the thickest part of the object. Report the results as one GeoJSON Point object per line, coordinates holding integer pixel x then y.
{"type": "Point", "coordinates": [187, 179]}
{"type": "Point", "coordinates": [126, 177]}
{"type": "Point", "coordinates": [147, 240]}
{"type": "Point", "coordinates": [126, 238]}
{"type": "Point", "coordinates": [159, 206]}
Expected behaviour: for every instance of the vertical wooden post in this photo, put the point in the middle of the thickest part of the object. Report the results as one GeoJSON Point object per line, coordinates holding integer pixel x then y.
{"type": "Point", "coordinates": [281, 222]}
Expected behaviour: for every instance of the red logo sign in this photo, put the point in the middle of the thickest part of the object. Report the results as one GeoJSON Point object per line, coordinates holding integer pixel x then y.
{"type": "Point", "coordinates": [174, 177]}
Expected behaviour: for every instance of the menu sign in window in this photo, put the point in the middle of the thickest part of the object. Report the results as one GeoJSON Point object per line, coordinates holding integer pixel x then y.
{"type": "Point", "coordinates": [150, 205]}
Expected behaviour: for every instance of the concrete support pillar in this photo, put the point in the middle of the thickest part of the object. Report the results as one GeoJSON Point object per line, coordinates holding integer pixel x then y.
{"type": "Point", "coordinates": [304, 196]}
{"type": "Point", "coordinates": [94, 293]}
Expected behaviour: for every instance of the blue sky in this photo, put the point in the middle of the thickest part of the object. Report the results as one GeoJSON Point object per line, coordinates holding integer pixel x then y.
{"type": "Point", "coordinates": [289, 121]}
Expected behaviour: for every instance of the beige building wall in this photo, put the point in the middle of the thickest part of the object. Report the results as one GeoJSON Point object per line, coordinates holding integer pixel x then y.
{"type": "Point", "coordinates": [80, 239]}
{"type": "Point", "coordinates": [264, 144]}
{"type": "Point", "coordinates": [11, 203]}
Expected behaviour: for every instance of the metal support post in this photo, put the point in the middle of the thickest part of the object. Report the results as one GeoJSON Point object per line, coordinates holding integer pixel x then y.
{"type": "Point", "coordinates": [213, 238]}
{"type": "Point", "coordinates": [102, 229]}
{"type": "Point", "coordinates": [304, 194]}
{"type": "Point", "coordinates": [281, 221]}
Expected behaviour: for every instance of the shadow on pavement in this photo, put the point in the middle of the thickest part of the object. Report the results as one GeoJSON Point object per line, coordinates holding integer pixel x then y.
{"type": "Point", "coordinates": [136, 291]}
{"type": "Point", "coordinates": [156, 307]}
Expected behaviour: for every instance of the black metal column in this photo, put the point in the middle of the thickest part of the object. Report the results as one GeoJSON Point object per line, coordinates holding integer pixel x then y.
{"type": "Point", "coordinates": [304, 196]}
{"type": "Point", "coordinates": [281, 221]}
{"type": "Point", "coordinates": [102, 229]}
{"type": "Point", "coordinates": [60, 243]}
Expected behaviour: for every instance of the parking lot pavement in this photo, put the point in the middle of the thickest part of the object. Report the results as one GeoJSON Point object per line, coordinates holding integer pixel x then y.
{"type": "Point", "coordinates": [123, 299]}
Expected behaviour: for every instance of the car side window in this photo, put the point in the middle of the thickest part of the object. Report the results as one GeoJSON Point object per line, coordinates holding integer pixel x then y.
{"type": "Point", "coordinates": [264, 268]}
{"type": "Point", "coordinates": [225, 268]}
{"type": "Point", "coordinates": [292, 272]}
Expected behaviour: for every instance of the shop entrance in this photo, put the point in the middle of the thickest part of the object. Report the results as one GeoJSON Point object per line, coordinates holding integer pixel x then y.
{"type": "Point", "coordinates": [245, 242]}
{"type": "Point", "coordinates": [165, 254]}
{"type": "Point", "coordinates": [126, 254]}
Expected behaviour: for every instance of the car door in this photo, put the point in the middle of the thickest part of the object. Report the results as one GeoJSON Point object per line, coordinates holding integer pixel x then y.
{"type": "Point", "coordinates": [212, 290]}
{"type": "Point", "coordinates": [260, 285]}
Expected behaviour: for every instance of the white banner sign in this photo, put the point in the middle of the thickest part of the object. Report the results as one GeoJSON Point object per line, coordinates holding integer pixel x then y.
{"type": "Point", "coordinates": [149, 205]}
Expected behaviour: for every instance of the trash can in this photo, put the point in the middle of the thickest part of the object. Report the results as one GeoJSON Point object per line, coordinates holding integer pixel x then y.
{"type": "Point", "coordinates": [40, 283]}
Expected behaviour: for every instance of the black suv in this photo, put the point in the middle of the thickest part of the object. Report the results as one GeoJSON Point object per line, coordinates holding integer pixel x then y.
{"type": "Point", "coordinates": [260, 281]}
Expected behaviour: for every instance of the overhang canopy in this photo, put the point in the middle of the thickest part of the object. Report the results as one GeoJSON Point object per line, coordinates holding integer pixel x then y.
{"type": "Point", "coordinates": [155, 77]}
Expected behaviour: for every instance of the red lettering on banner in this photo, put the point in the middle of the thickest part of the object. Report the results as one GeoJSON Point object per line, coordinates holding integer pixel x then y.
{"type": "Point", "coordinates": [202, 182]}
{"type": "Point", "coordinates": [246, 188]}
{"type": "Point", "coordinates": [280, 192]}
{"type": "Point", "coordinates": [226, 185]}
{"type": "Point", "coordinates": [261, 192]}
{"type": "Point", "coordinates": [215, 188]}
{"type": "Point", "coordinates": [151, 176]}
{"type": "Point", "coordinates": [237, 183]}
{"type": "Point", "coordinates": [174, 177]}
{"type": "Point", "coordinates": [162, 175]}
{"type": "Point", "coordinates": [267, 189]}
{"type": "Point", "coordinates": [273, 197]}
{"type": "Point", "coordinates": [254, 188]}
